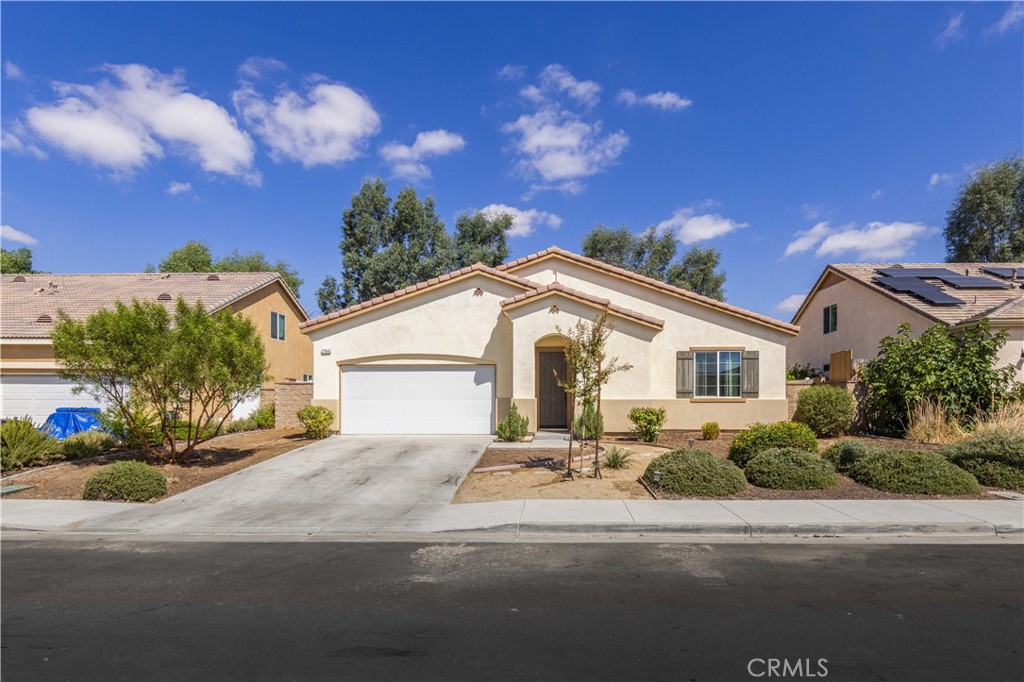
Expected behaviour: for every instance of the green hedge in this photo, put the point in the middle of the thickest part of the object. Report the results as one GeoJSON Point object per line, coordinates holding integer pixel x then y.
{"type": "Point", "coordinates": [695, 472]}
{"type": "Point", "coordinates": [905, 471]}
{"type": "Point", "coordinates": [130, 481]}
{"type": "Point", "coordinates": [790, 469]}
{"type": "Point", "coordinates": [828, 410]}
{"type": "Point", "coordinates": [843, 454]}
{"type": "Point", "coordinates": [996, 459]}
{"type": "Point", "coordinates": [761, 437]}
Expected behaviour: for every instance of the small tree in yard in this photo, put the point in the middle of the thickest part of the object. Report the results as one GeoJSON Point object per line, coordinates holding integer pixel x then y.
{"type": "Point", "coordinates": [140, 360]}
{"type": "Point", "coordinates": [587, 369]}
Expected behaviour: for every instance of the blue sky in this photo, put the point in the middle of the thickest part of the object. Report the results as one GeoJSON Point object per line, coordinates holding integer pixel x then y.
{"type": "Point", "coordinates": [785, 135]}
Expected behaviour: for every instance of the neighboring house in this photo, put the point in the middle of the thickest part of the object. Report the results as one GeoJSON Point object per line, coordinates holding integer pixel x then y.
{"type": "Point", "coordinates": [852, 307]}
{"type": "Point", "coordinates": [29, 305]}
{"type": "Point", "coordinates": [450, 355]}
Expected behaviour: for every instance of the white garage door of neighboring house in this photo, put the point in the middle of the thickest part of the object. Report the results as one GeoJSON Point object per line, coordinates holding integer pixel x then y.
{"type": "Point", "coordinates": [417, 399]}
{"type": "Point", "coordinates": [38, 396]}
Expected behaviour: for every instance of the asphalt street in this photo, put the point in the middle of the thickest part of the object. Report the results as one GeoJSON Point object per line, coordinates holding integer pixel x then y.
{"type": "Point", "coordinates": [134, 610]}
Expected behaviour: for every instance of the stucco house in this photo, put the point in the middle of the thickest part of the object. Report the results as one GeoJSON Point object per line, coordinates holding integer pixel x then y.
{"type": "Point", "coordinates": [29, 305]}
{"type": "Point", "coordinates": [852, 307]}
{"type": "Point", "coordinates": [451, 355]}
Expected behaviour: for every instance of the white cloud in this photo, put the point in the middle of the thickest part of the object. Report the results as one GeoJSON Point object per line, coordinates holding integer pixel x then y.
{"type": "Point", "coordinates": [329, 124]}
{"type": "Point", "coordinates": [690, 227]}
{"type": "Point", "coordinates": [937, 179]}
{"type": "Point", "coordinates": [806, 240]}
{"type": "Point", "coordinates": [878, 193]}
{"type": "Point", "coordinates": [555, 77]}
{"type": "Point", "coordinates": [14, 72]}
{"type": "Point", "coordinates": [666, 101]}
{"type": "Point", "coordinates": [125, 123]}
{"type": "Point", "coordinates": [523, 221]}
{"type": "Point", "coordinates": [407, 161]}
{"type": "Point", "coordinates": [176, 188]}
{"type": "Point", "coordinates": [16, 140]}
{"type": "Point", "coordinates": [1010, 22]}
{"type": "Point", "coordinates": [876, 240]}
{"type": "Point", "coordinates": [953, 32]}
{"type": "Point", "coordinates": [259, 67]}
{"type": "Point", "coordinates": [8, 233]}
{"type": "Point", "coordinates": [812, 211]}
{"type": "Point", "coordinates": [512, 72]}
{"type": "Point", "coordinates": [790, 304]}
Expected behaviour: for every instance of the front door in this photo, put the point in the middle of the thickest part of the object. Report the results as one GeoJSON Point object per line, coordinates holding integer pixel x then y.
{"type": "Point", "coordinates": [553, 412]}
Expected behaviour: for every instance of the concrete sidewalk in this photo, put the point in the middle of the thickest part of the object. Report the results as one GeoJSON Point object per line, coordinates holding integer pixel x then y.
{"type": "Point", "coordinates": [578, 518]}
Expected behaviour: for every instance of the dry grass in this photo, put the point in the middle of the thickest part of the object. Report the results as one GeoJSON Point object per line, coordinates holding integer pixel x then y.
{"type": "Point", "coordinates": [930, 423]}
{"type": "Point", "coordinates": [1008, 418]}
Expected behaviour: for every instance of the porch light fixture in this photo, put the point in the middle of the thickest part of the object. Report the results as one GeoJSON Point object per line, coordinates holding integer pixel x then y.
{"type": "Point", "coordinates": [325, 351]}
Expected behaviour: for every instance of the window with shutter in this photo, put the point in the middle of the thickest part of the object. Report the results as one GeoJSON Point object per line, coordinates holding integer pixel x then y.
{"type": "Point", "coordinates": [684, 374]}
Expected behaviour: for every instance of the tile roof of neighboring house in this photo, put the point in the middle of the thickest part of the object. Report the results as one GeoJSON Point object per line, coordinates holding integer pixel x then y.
{"type": "Point", "coordinates": [653, 283]}
{"type": "Point", "coordinates": [556, 288]}
{"type": "Point", "coordinates": [416, 288]}
{"type": "Point", "coordinates": [39, 297]}
{"type": "Point", "coordinates": [1010, 311]}
{"type": "Point", "coordinates": [978, 303]}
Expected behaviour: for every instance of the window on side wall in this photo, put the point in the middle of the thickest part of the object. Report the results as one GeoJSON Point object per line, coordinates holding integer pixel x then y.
{"type": "Point", "coordinates": [718, 373]}
{"type": "Point", "coordinates": [307, 377]}
{"type": "Point", "coordinates": [277, 326]}
{"type": "Point", "coordinates": [830, 318]}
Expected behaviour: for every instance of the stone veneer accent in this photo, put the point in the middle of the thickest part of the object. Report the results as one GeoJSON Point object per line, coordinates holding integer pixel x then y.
{"type": "Point", "coordinates": [289, 398]}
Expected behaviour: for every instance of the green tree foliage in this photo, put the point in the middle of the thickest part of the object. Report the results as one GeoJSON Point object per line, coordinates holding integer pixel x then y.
{"type": "Point", "coordinates": [986, 224]}
{"type": "Point", "coordinates": [956, 371]}
{"type": "Point", "coordinates": [146, 363]}
{"type": "Point", "coordinates": [481, 238]}
{"type": "Point", "coordinates": [197, 257]}
{"type": "Point", "coordinates": [654, 255]}
{"type": "Point", "coordinates": [16, 261]}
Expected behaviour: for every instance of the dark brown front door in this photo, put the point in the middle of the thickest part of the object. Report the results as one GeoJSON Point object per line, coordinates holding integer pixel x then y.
{"type": "Point", "coordinates": [552, 413]}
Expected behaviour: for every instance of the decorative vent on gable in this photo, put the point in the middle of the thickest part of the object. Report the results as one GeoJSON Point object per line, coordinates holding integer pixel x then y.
{"type": "Point", "coordinates": [45, 319]}
{"type": "Point", "coordinates": [163, 297]}
{"type": "Point", "coordinates": [213, 278]}
{"type": "Point", "coordinates": [19, 278]}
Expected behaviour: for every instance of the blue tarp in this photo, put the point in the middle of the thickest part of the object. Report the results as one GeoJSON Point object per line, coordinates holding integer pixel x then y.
{"type": "Point", "coordinates": [67, 421]}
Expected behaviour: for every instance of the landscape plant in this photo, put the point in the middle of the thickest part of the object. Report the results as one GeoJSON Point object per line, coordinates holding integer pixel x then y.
{"type": "Point", "coordinates": [912, 472]}
{"type": "Point", "coordinates": [23, 445]}
{"type": "Point", "coordinates": [694, 472]}
{"type": "Point", "coordinates": [589, 425]}
{"type": "Point", "coordinates": [648, 422]}
{"type": "Point", "coordinates": [995, 458]}
{"type": "Point", "coordinates": [760, 437]}
{"type": "Point", "coordinates": [86, 444]}
{"type": "Point", "coordinates": [710, 431]}
{"type": "Point", "coordinates": [828, 410]}
{"type": "Point", "coordinates": [616, 457]}
{"type": "Point", "coordinates": [931, 423]}
{"type": "Point", "coordinates": [843, 454]}
{"type": "Point", "coordinates": [317, 421]}
{"type": "Point", "coordinates": [131, 481]}
{"type": "Point", "coordinates": [790, 469]}
{"type": "Point", "coordinates": [514, 427]}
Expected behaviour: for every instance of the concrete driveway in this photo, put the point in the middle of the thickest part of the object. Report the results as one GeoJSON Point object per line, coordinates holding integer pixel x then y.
{"type": "Point", "coordinates": [344, 483]}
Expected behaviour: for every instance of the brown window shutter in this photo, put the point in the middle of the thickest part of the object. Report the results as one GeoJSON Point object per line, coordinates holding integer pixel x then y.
{"type": "Point", "coordinates": [750, 373]}
{"type": "Point", "coordinates": [684, 374]}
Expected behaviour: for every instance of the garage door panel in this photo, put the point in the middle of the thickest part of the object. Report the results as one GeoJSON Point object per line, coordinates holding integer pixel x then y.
{"type": "Point", "coordinates": [38, 396]}
{"type": "Point", "coordinates": [418, 399]}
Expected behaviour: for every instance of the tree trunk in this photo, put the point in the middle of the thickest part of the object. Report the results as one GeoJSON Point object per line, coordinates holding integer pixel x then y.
{"type": "Point", "coordinates": [572, 435]}
{"type": "Point", "coordinates": [597, 430]}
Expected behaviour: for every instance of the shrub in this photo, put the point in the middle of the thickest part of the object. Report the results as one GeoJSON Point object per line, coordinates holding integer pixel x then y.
{"type": "Point", "coordinates": [590, 424]}
{"type": "Point", "coordinates": [23, 445]}
{"type": "Point", "coordinates": [904, 471]}
{"type": "Point", "coordinates": [995, 458]}
{"type": "Point", "coordinates": [648, 422]}
{"type": "Point", "coordinates": [799, 372]}
{"type": "Point", "coordinates": [129, 481]}
{"type": "Point", "coordinates": [930, 423]}
{"type": "Point", "coordinates": [317, 420]}
{"type": "Point", "coordinates": [843, 454]}
{"type": "Point", "coordinates": [692, 471]}
{"type": "Point", "coordinates": [828, 410]}
{"type": "Point", "coordinates": [87, 444]}
{"type": "Point", "coordinates": [113, 422]}
{"type": "Point", "coordinates": [760, 437]}
{"type": "Point", "coordinates": [1007, 418]}
{"type": "Point", "coordinates": [264, 417]}
{"type": "Point", "coordinates": [790, 469]}
{"type": "Point", "coordinates": [710, 431]}
{"type": "Point", "coordinates": [616, 458]}
{"type": "Point", "coordinates": [514, 427]}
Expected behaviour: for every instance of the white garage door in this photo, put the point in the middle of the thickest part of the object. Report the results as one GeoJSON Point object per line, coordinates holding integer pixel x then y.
{"type": "Point", "coordinates": [38, 396]}
{"type": "Point", "coordinates": [417, 399]}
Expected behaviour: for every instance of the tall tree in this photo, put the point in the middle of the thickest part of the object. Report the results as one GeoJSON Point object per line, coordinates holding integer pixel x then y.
{"type": "Point", "coordinates": [16, 261]}
{"type": "Point", "coordinates": [986, 223]}
{"type": "Point", "coordinates": [482, 238]}
{"type": "Point", "coordinates": [653, 255]}
{"type": "Point", "coordinates": [196, 257]}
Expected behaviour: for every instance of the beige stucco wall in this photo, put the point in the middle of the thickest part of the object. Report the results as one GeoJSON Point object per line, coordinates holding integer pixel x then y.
{"type": "Point", "coordinates": [27, 357]}
{"type": "Point", "coordinates": [290, 359]}
{"type": "Point", "coordinates": [1011, 353]}
{"type": "Point", "coordinates": [864, 317]}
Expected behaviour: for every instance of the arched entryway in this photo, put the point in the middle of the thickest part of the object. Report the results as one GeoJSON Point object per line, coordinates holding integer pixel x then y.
{"type": "Point", "coordinates": [552, 401]}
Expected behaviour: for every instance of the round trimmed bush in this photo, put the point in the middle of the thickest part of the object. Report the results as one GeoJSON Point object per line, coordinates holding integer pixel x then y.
{"type": "Point", "coordinates": [995, 458]}
{"type": "Point", "coordinates": [317, 421]}
{"type": "Point", "coordinates": [790, 469]}
{"type": "Point", "coordinates": [828, 410]}
{"type": "Point", "coordinates": [710, 431]}
{"type": "Point", "coordinates": [761, 437]}
{"type": "Point", "coordinates": [905, 471]}
{"type": "Point", "coordinates": [130, 481]}
{"type": "Point", "coordinates": [843, 454]}
{"type": "Point", "coordinates": [695, 472]}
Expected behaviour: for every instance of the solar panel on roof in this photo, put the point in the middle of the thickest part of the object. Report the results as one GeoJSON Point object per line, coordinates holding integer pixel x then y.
{"type": "Point", "coordinates": [965, 282]}
{"type": "Point", "coordinates": [1007, 273]}
{"type": "Point", "coordinates": [917, 272]}
{"type": "Point", "coordinates": [924, 290]}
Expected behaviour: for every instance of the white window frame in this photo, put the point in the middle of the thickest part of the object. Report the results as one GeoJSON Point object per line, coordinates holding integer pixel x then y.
{"type": "Point", "coordinates": [277, 326]}
{"type": "Point", "coordinates": [697, 367]}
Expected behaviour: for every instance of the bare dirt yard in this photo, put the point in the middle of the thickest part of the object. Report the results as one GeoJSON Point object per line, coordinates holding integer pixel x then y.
{"type": "Point", "coordinates": [215, 458]}
{"type": "Point", "coordinates": [538, 482]}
